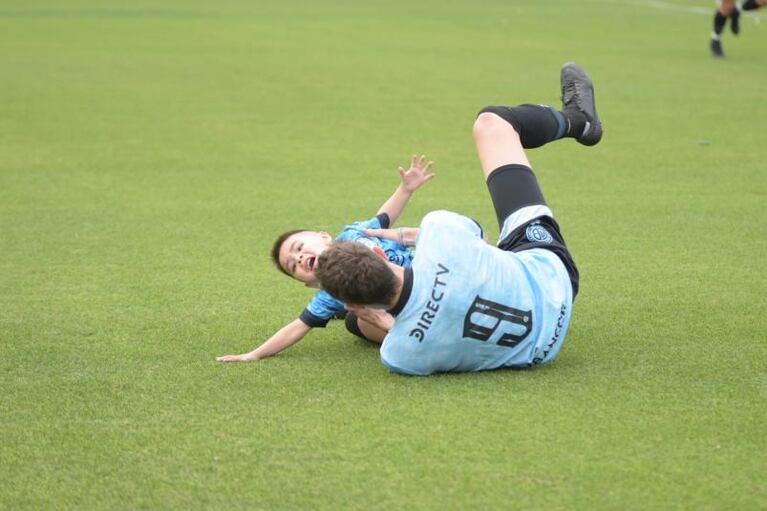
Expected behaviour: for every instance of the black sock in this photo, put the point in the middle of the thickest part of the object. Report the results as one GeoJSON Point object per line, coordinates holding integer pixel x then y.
{"type": "Point", "coordinates": [536, 124]}
{"type": "Point", "coordinates": [719, 21]}
{"type": "Point", "coordinates": [749, 5]}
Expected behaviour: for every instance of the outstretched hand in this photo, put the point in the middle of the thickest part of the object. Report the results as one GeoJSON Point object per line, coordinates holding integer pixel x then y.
{"type": "Point", "coordinates": [403, 235]}
{"type": "Point", "coordinates": [418, 173]}
{"type": "Point", "coordinates": [245, 357]}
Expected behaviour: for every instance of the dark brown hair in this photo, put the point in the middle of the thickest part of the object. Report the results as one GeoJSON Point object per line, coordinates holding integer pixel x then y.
{"type": "Point", "coordinates": [352, 273]}
{"type": "Point", "coordinates": [278, 245]}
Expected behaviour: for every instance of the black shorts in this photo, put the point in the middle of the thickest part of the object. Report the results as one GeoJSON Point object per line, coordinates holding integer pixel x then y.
{"type": "Point", "coordinates": [525, 220]}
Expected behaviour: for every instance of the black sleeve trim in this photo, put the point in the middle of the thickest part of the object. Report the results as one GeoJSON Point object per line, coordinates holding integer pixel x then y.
{"type": "Point", "coordinates": [481, 230]}
{"type": "Point", "coordinates": [311, 320]}
{"type": "Point", "coordinates": [383, 218]}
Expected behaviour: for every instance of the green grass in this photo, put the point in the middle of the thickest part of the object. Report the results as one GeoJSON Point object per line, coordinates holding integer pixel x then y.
{"type": "Point", "coordinates": [150, 153]}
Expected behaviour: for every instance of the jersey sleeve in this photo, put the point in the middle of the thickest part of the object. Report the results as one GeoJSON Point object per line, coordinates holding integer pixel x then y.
{"type": "Point", "coordinates": [380, 221]}
{"type": "Point", "coordinates": [396, 361]}
{"type": "Point", "coordinates": [449, 222]}
{"type": "Point", "coordinates": [394, 368]}
{"type": "Point", "coordinates": [397, 369]}
{"type": "Point", "coordinates": [320, 310]}
{"type": "Point", "coordinates": [383, 220]}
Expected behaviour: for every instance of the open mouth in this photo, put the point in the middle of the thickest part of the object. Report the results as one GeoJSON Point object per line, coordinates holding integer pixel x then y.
{"type": "Point", "coordinates": [311, 263]}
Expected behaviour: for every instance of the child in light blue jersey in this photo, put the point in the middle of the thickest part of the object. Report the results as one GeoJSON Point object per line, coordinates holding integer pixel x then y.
{"type": "Point", "coordinates": [296, 254]}
{"type": "Point", "coordinates": [465, 305]}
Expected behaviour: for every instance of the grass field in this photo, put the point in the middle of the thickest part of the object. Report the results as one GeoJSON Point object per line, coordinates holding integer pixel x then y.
{"type": "Point", "coordinates": [151, 151]}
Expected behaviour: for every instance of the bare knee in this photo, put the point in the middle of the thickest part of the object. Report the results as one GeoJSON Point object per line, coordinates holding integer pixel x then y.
{"type": "Point", "coordinates": [490, 125]}
{"type": "Point", "coordinates": [497, 142]}
{"type": "Point", "coordinates": [371, 332]}
{"type": "Point", "coordinates": [363, 329]}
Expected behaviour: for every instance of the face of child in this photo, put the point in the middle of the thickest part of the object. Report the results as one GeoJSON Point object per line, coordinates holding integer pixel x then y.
{"type": "Point", "coordinates": [299, 253]}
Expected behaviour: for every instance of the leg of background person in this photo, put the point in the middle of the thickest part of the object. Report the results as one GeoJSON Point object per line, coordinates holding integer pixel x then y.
{"type": "Point", "coordinates": [735, 19]}
{"type": "Point", "coordinates": [726, 7]}
{"type": "Point", "coordinates": [720, 19]}
{"type": "Point", "coordinates": [750, 5]}
{"type": "Point", "coordinates": [747, 5]}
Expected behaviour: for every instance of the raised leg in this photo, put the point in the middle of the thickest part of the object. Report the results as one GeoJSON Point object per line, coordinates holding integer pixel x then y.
{"type": "Point", "coordinates": [498, 143]}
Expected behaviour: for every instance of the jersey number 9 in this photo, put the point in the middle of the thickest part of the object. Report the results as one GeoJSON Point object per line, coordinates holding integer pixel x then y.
{"type": "Point", "coordinates": [485, 317]}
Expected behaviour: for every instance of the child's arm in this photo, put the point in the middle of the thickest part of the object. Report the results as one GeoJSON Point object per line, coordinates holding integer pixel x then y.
{"type": "Point", "coordinates": [410, 180]}
{"type": "Point", "coordinates": [285, 337]}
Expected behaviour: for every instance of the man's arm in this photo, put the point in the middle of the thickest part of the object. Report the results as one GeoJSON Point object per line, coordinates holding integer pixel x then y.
{"type": "Point", "coordinates": [284, 338]}
{"type": "Point", "coordinates": [406, 236]}
{"type": "Point", "coordinates": [410, 180]}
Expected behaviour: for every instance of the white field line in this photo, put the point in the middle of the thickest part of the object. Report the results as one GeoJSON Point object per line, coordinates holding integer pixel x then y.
{"type": "Point", "coordinates": [693, 9]}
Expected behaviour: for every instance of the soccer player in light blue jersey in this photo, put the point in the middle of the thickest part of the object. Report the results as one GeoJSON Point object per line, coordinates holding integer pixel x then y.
{"type": "Point", "coordinates": [463, 304]}
{"type": "Point", "coordinates": [296, 253]}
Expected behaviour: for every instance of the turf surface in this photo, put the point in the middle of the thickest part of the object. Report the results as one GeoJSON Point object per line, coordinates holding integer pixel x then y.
{"type": "Point", "coordinates": [150, 153]}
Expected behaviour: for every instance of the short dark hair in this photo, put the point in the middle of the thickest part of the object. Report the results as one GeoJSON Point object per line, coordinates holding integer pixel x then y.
{"type": "Point", "coordinates": [352, 273]}
{"type": "Point", "coordinates": [278, 245]}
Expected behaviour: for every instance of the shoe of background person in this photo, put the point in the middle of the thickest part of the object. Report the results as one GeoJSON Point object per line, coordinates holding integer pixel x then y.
{"type": "Point", "coordinates": [716, 48]}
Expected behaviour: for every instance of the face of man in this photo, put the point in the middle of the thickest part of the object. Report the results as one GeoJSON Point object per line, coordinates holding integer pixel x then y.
{"type": "Point", "coordinates": [300, 252]}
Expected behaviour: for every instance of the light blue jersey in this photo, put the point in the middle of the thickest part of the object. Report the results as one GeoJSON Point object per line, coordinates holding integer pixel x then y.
{"type": "Point", "coordinates": [469, 306]}
{"type": "Point", "coordinates": [323, 307]}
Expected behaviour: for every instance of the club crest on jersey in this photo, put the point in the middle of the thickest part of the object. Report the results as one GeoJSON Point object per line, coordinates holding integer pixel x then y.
{"type": "Point", "coordinates": [536, 233]}
{"type": "Point", "coordinates": [394, 257]}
